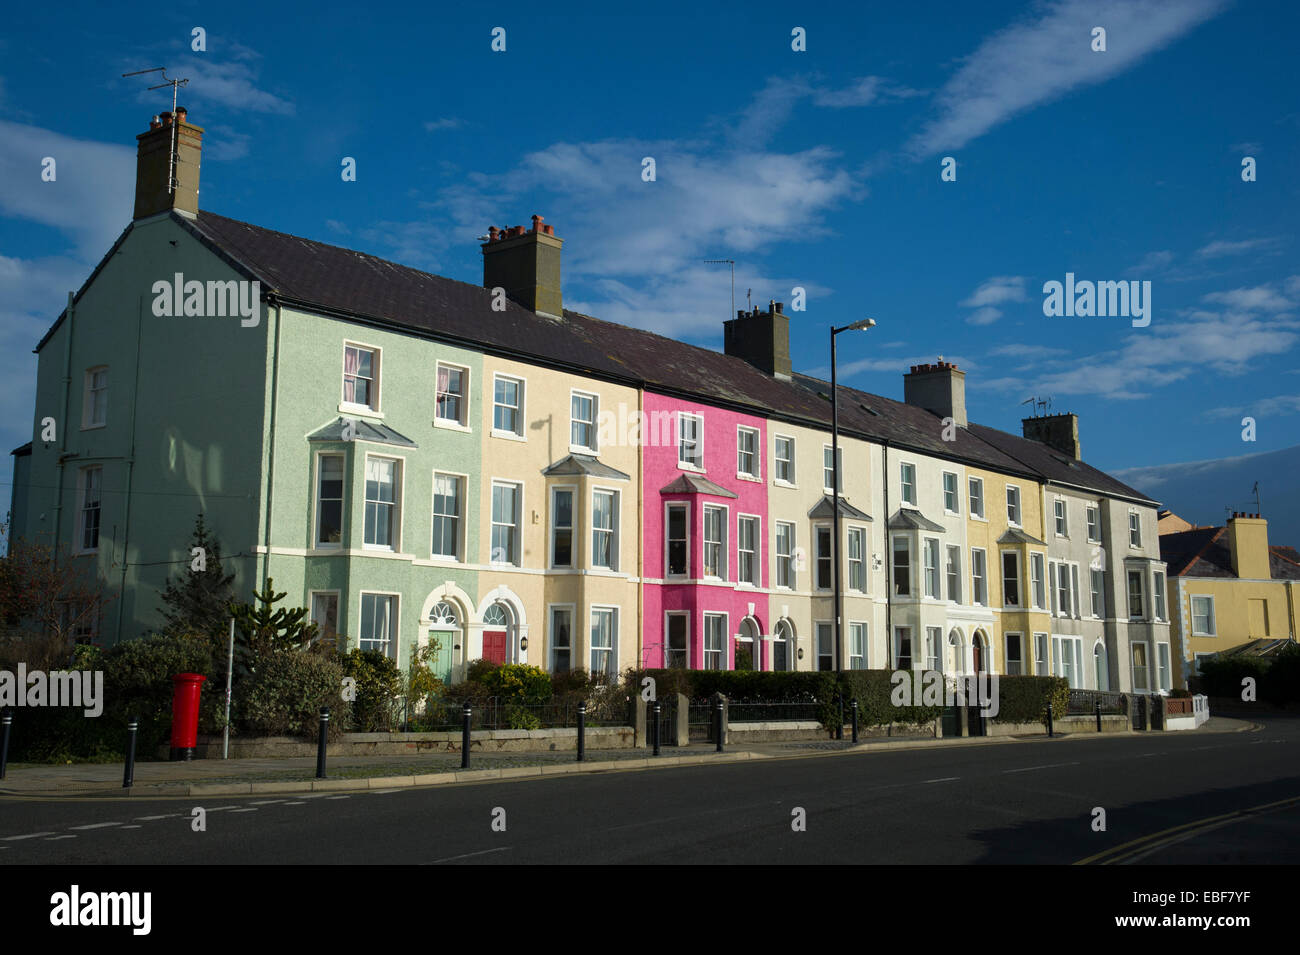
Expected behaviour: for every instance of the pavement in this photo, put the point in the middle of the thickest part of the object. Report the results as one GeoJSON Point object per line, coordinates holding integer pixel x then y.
{"type": "Point", "coordinates": [215, 777]}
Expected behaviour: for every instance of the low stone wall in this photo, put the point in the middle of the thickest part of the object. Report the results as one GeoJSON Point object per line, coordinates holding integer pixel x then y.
{"type": "Point", "coordinates": [1110, 723]}
{"type": "Point", "coordinates": [409, 744]}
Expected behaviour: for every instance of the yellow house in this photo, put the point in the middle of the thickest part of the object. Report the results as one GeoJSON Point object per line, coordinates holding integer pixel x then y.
{"type": "Point", "coordinates": [1227, 588]}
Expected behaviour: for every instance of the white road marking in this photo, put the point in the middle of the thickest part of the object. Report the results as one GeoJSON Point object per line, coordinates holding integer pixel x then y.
{"type": "Point", "coordinates": [57, 838]}
{"type": "Point", "coordinates": [383, 792]}
{"type": "Point", "coordinates": [233, 811]}
{"type": "Point", "coordinates": [298, 803]}
{"type": "Point", "coordinates": [469, 855]}
{"type": "Point", "coordinates": [943, 779]}
{"type": "Point", "coordinates": [1029, 769]}
{"type": "Point", "coordinates": [170, 815]}
{"type": "Point", "coordinates": [30, 835]}
{"type": "Point", "coordinates": [338, 797]}
{"type": "Point", "coordinates": [94, 825]}
{"type": "Point", "coordinates": [133, 827]}
{"type": "Point", "coordinates": [219, 808]}
{"type": "Point", "coordinates": [266, 802]}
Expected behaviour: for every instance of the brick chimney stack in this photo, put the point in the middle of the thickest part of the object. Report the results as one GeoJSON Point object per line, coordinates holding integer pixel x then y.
{"type": "Point", "coordinates": [761, 338]}
{"type": "Point", "coordinates": [161, 184]}
{"type": "Point", "coordinates": [940, 388]}
{"type": "Point", "coordinates": [1248, 544]}
{"type": "Point", "coordinates": [1058, 431]}
{"type": "Point", "coordinates": [526, 263]}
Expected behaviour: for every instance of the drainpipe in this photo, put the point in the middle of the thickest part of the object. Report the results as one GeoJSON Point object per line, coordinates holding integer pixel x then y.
{"type": "Point", "coordinates": [63, 425]}
{"type": "Point", "coordinates": [889, 567]}
{"type": "Point", "coordinates": [270, 463]}
{"type": "Point", "coordinates": [130, 464]}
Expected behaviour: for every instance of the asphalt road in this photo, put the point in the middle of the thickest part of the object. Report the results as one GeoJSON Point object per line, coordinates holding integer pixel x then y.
{"type": "Point", "coordinates": [1168, 798]}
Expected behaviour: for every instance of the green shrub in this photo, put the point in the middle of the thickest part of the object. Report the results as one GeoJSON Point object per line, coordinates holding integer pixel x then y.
{"type": "Point", "coordinates": [874, 691]}
{"type": "Point", "coordinates": [1222, 676]}
{"type": "Point", "coordinates": [519, 683]}
{"type": "Point", "coordinates": [519, 718]}
{"type": "Point", "coordinates": [479, 670]}
{"type": "Point", "coordinates": [1023, 699]}
{"type": "Point", "coordinates": [284, 694]}
{"type": "Point", "coordinates": [379, 685]}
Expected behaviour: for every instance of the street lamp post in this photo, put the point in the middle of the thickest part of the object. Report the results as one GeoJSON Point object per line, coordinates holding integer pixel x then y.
{"type": "Point", "coordinates": [837, 589]}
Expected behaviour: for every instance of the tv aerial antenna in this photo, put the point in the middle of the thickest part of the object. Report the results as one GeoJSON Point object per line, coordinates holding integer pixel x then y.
{"type": "Point", "coordinates": [1043, 405]}
{"type": "Point", "coordinates": [174, 84]}
{"type": "Point", "coordinates": [732, 263]}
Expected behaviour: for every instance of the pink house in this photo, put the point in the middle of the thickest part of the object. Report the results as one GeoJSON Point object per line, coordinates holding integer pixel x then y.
{"type": "Point", "coordinates": [705, 541]}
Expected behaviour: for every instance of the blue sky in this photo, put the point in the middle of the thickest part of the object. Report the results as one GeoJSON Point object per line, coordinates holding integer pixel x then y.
{"type": "Point", "coordinates": [818, 169]}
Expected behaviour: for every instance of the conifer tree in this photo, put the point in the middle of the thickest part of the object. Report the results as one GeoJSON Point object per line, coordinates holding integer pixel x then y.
{"type": "Point", "coordinates": [199, 601]}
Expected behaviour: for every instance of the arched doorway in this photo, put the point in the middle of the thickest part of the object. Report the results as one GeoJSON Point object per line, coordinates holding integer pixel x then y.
{"type": "Point", "coordinates": [979, 653]}
{"type": "Point", "coordinates": [783, 645]}
{"type": "Point", "coordinates": [1101, 666]}
{"type": "Point", "coordinates": [955, 656]}
{"type": "Point", "coordinates": [444, 626]}
{"type": "Point", "coordinates": [748, 646]}
{"type": "Point", "coordinates": [496, 633]}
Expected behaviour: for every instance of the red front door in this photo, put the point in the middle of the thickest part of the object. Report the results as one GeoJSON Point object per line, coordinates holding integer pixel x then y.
{"type": "Point", "coordinates": [494, 646]}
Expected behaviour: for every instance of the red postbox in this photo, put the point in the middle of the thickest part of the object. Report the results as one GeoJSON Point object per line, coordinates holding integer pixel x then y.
{"type": "Point", "coordinates": [185, 714]}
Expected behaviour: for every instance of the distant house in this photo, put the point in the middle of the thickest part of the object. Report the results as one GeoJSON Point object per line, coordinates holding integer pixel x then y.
{"type": "Point", "coordinates": [1230, 591]}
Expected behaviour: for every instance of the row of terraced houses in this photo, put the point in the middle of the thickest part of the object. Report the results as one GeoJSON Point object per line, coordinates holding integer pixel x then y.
{"type": "Point", "coordinates": [419, 458]}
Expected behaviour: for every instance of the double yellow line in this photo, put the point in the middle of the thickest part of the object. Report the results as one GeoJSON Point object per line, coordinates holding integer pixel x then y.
{"type": "Point", "coordinates": [1123, 853]}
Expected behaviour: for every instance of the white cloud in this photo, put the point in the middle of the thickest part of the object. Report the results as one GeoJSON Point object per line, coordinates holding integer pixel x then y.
{"type": "Point", "coordinates": [1047, 54]}
{"type": "Point", "coordinates": [1152, 262]}
{"type": "Point", "coordinates": [1264, 407]}
{"type": "Point", "coordinates": [773, 105]}
{"type": "Point", "coordinates": [1220, 248]}
{"type": "Point", "coordinates": [225, 83]}
{"type": "Point", "coordinates": [450, 122]}
{"type": "Point", "coordinates": [996, 291]}
{"type": "Point", "coordinates": [1259, 298]}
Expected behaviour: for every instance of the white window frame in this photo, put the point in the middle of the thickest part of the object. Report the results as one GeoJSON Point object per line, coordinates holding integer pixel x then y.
{"type": "Point", "coordinates": [461, 423]}
{"type": "Point", "coordinates": [952, 572]}
{"type": "Point", "coordinates": [1158, 596]}
{"type": "Point", "coordinates": [551, 610]}
{"type": "Point", "coordinates": [720, 654]}
{"type": "Point", "coordinates": [399, 492]}
{"type": "Point", "coordinates": [1097, 592]}
{"type": "Point", "coordinates": [754, 562]}
{"type": "Point", "coordinates": [1211, 623]}
{"type": "Point", "coordinates": [686, 524]}
{"type": "Point", "coordinates": [684, 463]}
{"type": "Point", "coordinates": [893, 563]}
{"type": "Point", "coordinates": [555, 527]}
{"type": "Point", "coordinates": [611, 669]}
{"type": "Point", "coordinates": [721, 545]}
{"type": "Point", "coordinates": [859, 640]}
{"type": "Point", "coordinates": [520, 389]}
{"type": "Point", "coordinates": [686, 649]}
{"type": "Point", "coordinates": [818, 532]}
{"type": "Point", "coordinates": [778, 460]}
{"type": "Point", "coordinates": [976, 499]}
{"type": "Point", "coordinates": [1134, 528]}
{"type": "Point", "coordinates": [1002, 577]}
{"type": "Point", "coordinates": [896, 648]}
{"type": "Point", "coordinates": [955, 493]}
{"type": "Point", "coordinates": [930, 567]}
{"type": "Point", "coordinates": [1131, 573]}
{"type": "Point", "coordinates": [1093, 514]}
{"type": "Point", "coordinates": [594, 446]}
{"type": "Point", "coordinates": [1146, 667]}
{"type": "Point", "coordinates": [1038, 580]}
{"type": "Point", "coordinates": [826, 627]}
{"type": "Point", "coordinates": [516, 559]}
{"type": "Point", "coordinates": [829, 469]}
{"type": "Point", "coordinates": [1164, 667]}
{"type": "Point", "coordinates": [462, 521]}
{"type": "Point", "coordinates": [317, 543]}
{"type": "Point", "coordinates": [787, 558]}
{"type": "Point", "coordinates": [907, 482]}
{"type": "Point", "coordinates": [860, 534]}
{"type": "Point", "coordinates": [613, 532]}
{"type": "Point", "coordinates": [311, 604]}
{"type": "Point", "coordinates": [1008, 661]}
{"type": "Point", "coordinates": [1061, 517]}
{"type": "Point", "coordinates": [755, 454]}
{"type": "Point", "coordinates": [94, 414]}
{"type": "Point", "coordinates": [395, 621]}
{"type": "Point", "coordinates": [83, 512]}
{"type": "Point", "coordinates": [1016, 507]}
{"type": "Point", "coordinates": [376, 366]}
{"type": "Point", "coordinates": [1042, 661]}
{"type": "Point", "coordinates": [979, 594]}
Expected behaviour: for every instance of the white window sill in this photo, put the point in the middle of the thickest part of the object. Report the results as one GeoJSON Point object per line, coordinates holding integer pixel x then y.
{"type": "Point", "coordinates": [684, 466]}
{"type": "Point", "coordinates": [451, 426]}
{"type": "Point", "coordinates": [364, 411]}
{"type": "Point", "coordinates": [444, 559]}
{"type": "Point", "coordinates": [777, 482]}
{"type": "Point", "coordinates": [579, 449]}
{"type": "Point", "coordinates": [977, 517]}
{"type": "Point", "coordinates": [507, 435]}
{"type": "Point", "coordinates": [753, 478]}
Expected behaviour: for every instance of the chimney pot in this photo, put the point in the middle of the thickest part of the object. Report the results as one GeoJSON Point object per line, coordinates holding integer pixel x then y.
{"type": "Point", "coordinates": [181, 113]}
{"type": "Point", "coordinates": [168, 157]}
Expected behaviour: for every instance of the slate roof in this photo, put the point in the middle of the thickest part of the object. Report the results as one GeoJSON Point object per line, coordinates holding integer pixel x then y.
{"type": "Point", "coordinates": [694, 484]}
{"type": "Point", "coordinates": [365, 431]}
{"type": "Point", "coordinates": [911, 520]}
{"type": "Point", "coordinates": [22, 449]}
{"type": "Point", "coordinates": [585, 464]}
{"type": "Point", "coordinates": [365, 288]}
{"type": "Point", "coordinates": [1203, 552]}
{"type": "Point", "coordinates": [1015, 535]}
{"type": "Point", "coordinates": [826, 508]}
{"type": "Point", "coordinates": [1058, 467]}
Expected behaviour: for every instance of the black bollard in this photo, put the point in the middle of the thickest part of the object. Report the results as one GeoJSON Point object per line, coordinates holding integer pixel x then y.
{"type": "Point", "coordinates": [128, 772]}
{"type": "Point", "coordinates": [1097, 707]}
{"type": "Point", "coordinates": [717, 721]}
{"type": "Point", "coordinates": [1049, 719]}
{"type": "Point", "coordinates": [839, 723]}
{"type": "Point", "coordinates": [322, 741]}
{"type": "Point", "coordinates": [655, 728]}
{"type": "Point", "coordinates": [855, 719]}
{"type": "Point", "coordinates": [582, 731]}
{"type": "Point", "coordinates": [464, 738]}
{"type": "Point", "coordinates": [6, 720]}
